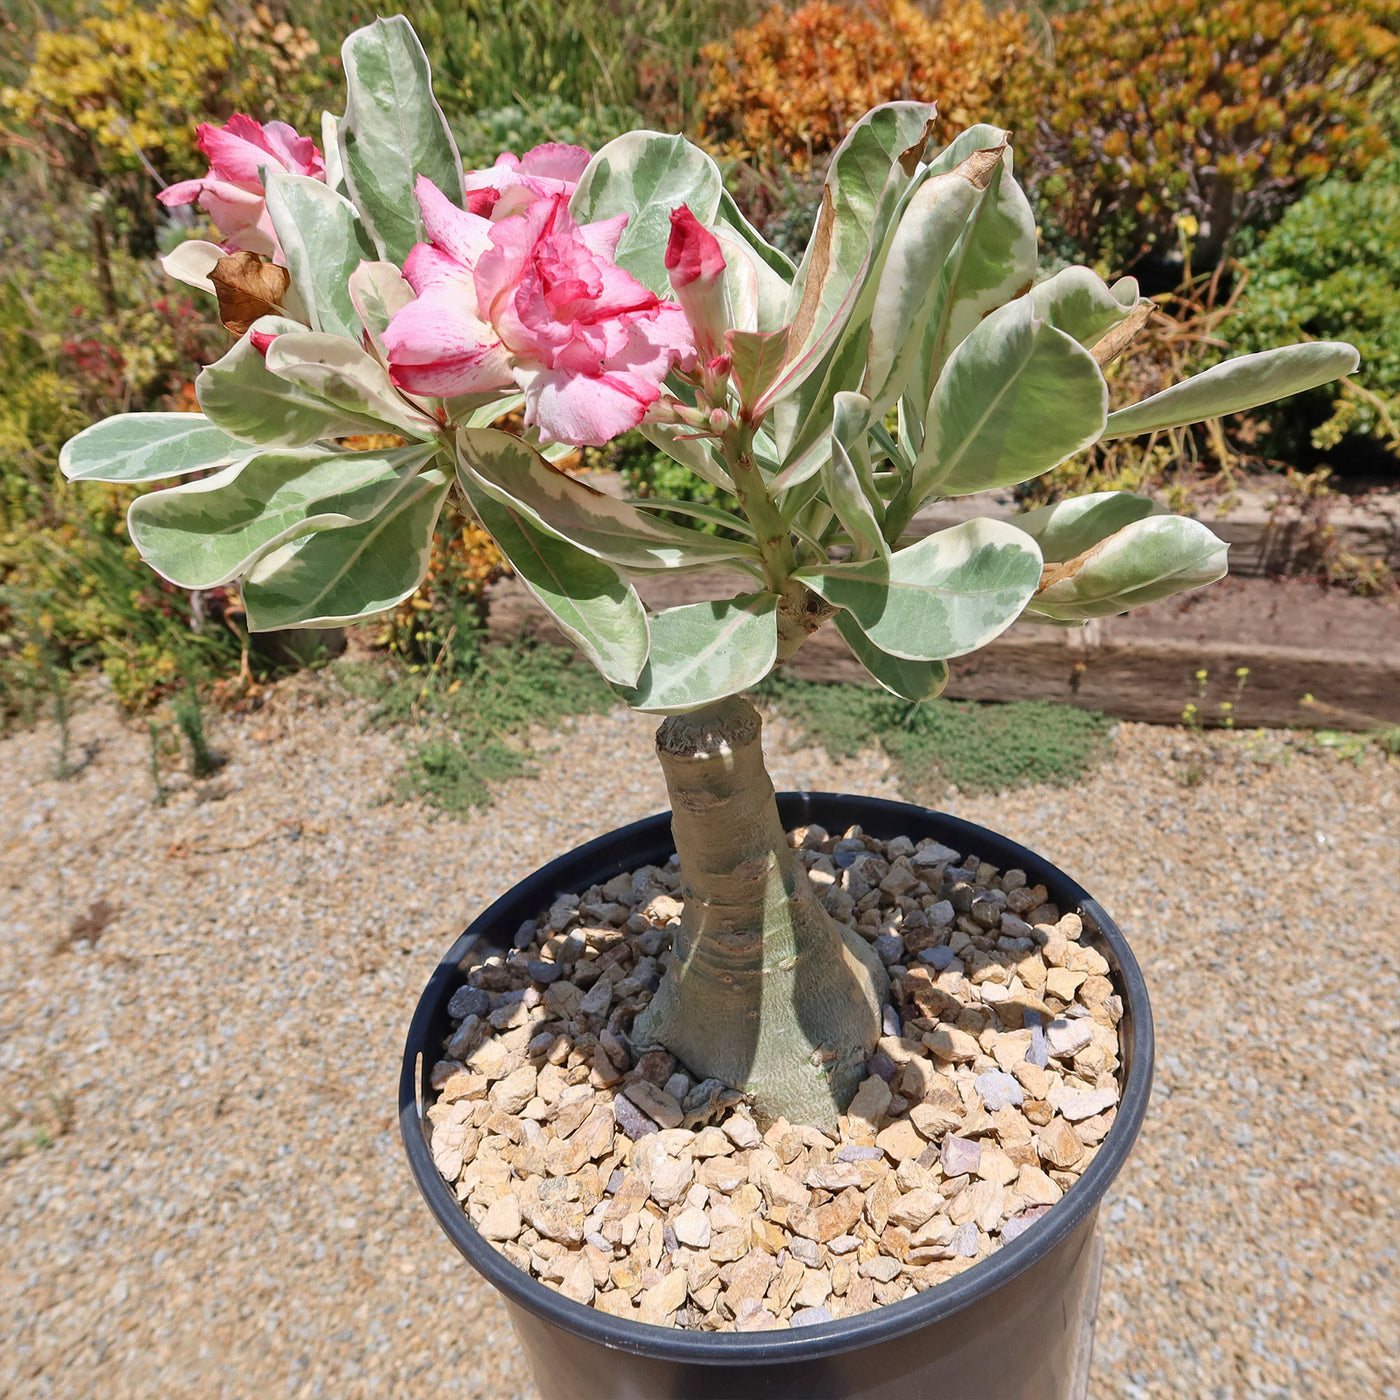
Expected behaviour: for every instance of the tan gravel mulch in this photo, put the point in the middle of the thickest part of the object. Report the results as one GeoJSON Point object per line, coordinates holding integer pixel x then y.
{"type": "Point", "coordinates": [202, 1007]}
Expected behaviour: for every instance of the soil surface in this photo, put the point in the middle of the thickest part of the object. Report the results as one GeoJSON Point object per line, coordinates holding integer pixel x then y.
{"type": "Point", "coordinates": [202, 1006]}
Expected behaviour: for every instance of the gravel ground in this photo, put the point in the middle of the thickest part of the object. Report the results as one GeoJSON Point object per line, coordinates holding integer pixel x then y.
{"type": "Point", "coordinates": [222, 1208]}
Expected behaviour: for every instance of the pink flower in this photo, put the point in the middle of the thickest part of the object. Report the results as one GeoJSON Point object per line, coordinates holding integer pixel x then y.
{"type": "Point", "coordinates": [696, 265]}
{"type": "Point", "coordinates": [517, 181]}
{"type": "Point", "coordinates": [534, 299]}
{"type": "Point", "coordinates": [231, 193]}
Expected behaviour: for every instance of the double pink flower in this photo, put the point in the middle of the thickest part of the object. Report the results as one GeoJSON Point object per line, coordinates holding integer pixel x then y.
{"type": "Point", "coordinates": [534, 299]}
{"type": "Point", "coordinates": [232, 192]}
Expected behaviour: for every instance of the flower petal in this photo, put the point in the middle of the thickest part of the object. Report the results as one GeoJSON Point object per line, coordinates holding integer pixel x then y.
{"type": "Point", "coordinates": [463, 235]}
{"type": "Point", "coordinates": [582, 409]}
{"type": "Point", "coordinates": [437, 347]}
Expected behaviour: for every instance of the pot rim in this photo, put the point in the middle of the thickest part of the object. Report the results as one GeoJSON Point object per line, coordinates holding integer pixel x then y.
{"type": "Point", "coordinates": [623, 849]}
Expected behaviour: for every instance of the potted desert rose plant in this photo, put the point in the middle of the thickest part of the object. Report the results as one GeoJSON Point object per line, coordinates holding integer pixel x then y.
{"type": "Point", "coordinates": [720, 1107]}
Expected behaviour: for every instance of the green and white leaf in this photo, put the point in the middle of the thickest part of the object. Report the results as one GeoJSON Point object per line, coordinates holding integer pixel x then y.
{"type": "Point", "coordinates": [910, 680]}
{"type": "Point", "coordinates": [148, 447]}
{"type": "Point", "coordinates": [1239, 384]}
{"type": "Point", "coordinates": [1016, 398]}
{"type": "Point", "coordinates": [339, 371]}
{"type": "Point", "coordinates": [757, 295]}
{"type": "Point", "coordinates": [323, 242]}
{"type": "Point", "coordinates": [730, 216]}
{"type": "Point", "coordinates": [330, 151]}
{"type": "Point", "coordinates": [192, 261]}
{"type": "Point", "coordinates": [847, 480]}
{"type": "Point", "coordinates": [1080, 303]}
{"type": "Point", "coordinates": [867, 177]}
{"type": "Point", "coordinates": [392, 132]}
{"type": "Point", "coordinates": [208, 532]}
{"type": "Point", "coordinates": [994, 260]}
{"type": "Point", "coordinates": [699, 510]}
{"type": "Point", "coordinates": [645, 175]}
{"type": "Point", "coordinates": [928, 228]}
{"type": "Point", "coordinates": [515, 475]}
{"type": "Point", "coordinates": [341, 575]}
{"type": "Point", "coordinates": [243, 397]}
{"type": "Point", "coordinates": [592, 603]}
{"type": "Point", "coordinates": [1150, 559]}
{"type": "Point", "coordinates": [949, 594]}
{"type": "Point", "coordinates": [1067, 528]}
{"type": "Point", "coordinates": [705, 651]}
{"type": "Point", "coordinates": [377, 291]}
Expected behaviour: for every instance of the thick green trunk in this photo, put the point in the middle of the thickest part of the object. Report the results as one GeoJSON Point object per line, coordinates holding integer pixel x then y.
{"type": "Point", "coordinates": [765, 990]}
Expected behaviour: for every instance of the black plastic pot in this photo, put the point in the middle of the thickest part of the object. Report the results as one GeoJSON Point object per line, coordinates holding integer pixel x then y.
{"type": "Point", "coordinates": [1010, 1328]}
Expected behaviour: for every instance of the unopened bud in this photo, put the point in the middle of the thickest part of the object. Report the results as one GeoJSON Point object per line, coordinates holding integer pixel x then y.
{"type": "Point", "coordinates": [696, 265]}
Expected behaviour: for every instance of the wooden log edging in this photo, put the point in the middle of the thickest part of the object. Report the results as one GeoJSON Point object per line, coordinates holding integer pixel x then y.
{"type": "Point", "coordinates": [1125, 674]}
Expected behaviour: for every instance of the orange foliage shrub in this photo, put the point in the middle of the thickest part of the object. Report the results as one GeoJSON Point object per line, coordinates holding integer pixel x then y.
{"type": "Point", "coordinates": [1217, 109]}
{"type": "Point", "coordinates": [785, 91]}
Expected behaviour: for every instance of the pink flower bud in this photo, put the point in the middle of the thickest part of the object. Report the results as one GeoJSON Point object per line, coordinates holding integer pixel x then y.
{"type": "Point", "coordinates": [696, 265]}
{"type": "Point", "coordinates": [261, 340]}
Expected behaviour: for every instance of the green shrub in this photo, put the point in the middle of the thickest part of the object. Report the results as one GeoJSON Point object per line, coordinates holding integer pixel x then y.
{"type": "Point", "coordinates": [976, 747]}
{"type": "Point", "coordinates": [482, 136]}
{"type": "Point", "coordinates": [1220, 111]}
{"type": "Point", "coordinates": [493, 54]}
{"type": "Point", "coordinates": [1330, 270]}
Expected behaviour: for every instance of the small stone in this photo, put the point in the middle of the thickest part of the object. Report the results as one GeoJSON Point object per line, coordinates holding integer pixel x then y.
{"type": "Point", "coordinates": [890, 947]}
{"type": "Point", "coordinates": [859, 1152]}
{"type": "Point", "coordinates": [678, 1086]}
{"type": "Point", "coordinates": [604, 1073]}
{"type": "Point", "coordinates": [916, 1208]}
{"type": "Point", "coordinates": [578, 1281]}
{"type": "Point", "coordinates": [597, 1000]}
{"type": "Point", "coordinates": [995, 1165]}
{"type": "Point", "coordinates": [1035, 1188]}
{"type": "Point", "coordinates": [469, 1001]}
{"type": "Point", "coordinates": [1059, 1144]}
{"type": "Point", "coordinates": [656, 1103]}
{"type": "Point", "coordinates": [660, 1303]}
{"type": "Point", "coordinates": [513, 1092]}
{"type": "Point", "coordinates": [868, 1108]}
{"type": "Point", "coordinates": [692, 1228]}
{"type": "Point", "coordinates": [998, 1089]}
{"type": "Point", "coordinates": [755, 1318]}
{"type": "Point", "coordinates": [740, 1130]}
{"type": "Point", "coordinates": [1074, 1104]}
{"type": "Point", "coordinates": [542, 971]}
{"type": "Point", "coordinates": [960, 1155]}
{"type": "Point", "coordinates": [832, 1176]}
{"type": "Point", "coordinates": [936, 1118]}
{"type": "Point", "coordinates": [502, 1220]}
{"type": "Point", "coordinates": [826, 1222]}
{"type": "Point", "coordinates": [881, 1268]}
{"type": "Point", "coordinates": [554, 1217]}
{"type": "Point", "coordinates": [1038, 1051]}
{"type": "Point", "coordinates": [1065, 1037]}
{"type": "Point", "coordinates": [951, 1045]}
{"type": "Point", "coordinates": [1063, 983]}
{"type": "Point", "coordinates": [901, 1141]}
{"type": "Point", "coordinates": [935, 854]}
{"type": "Point", "coordinates": [881, 1064]}
{"type": "Point", "coordinates": [843, 1244]}
{"type": "Point", "coordinates": [631, 1119]}
{"type": "Point", "coordinates": [810, 1317]}
{"type": "Point", "coordinates": [964, 1241]}
{"type": "Point", "coordinates": [889, 1021]}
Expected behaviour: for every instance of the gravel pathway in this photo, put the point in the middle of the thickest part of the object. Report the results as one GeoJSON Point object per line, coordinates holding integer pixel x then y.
{"type": "Point", "coordinates": [238, 1016]}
